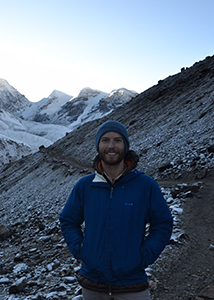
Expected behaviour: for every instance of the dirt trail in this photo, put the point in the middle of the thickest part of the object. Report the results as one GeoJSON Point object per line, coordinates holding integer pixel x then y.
{"type": "Point", "coordinates": [189, 267]}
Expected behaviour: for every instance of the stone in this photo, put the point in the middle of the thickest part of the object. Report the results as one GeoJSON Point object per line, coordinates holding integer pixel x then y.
{"type": "Point", "coordinates": [211, 149]}
{"type": "Point", "coordinates": [20, 268]}
{"type": "Point", "coordinates": [164, 167]}
{"type": "Point", "coordinates": [18, 257]}
{"type": "Point", "coordinates": [44, 239]}
{"type": "Point", "coordinates": [4, 280]}
{"type": "Point", "coordinates": [18, 285]}
{"type": "Point", "coordinates": [52, 296]}
{"type": "Point", "coordinates": [207, 293]}
{"type": "Point", "coordinates": [211, 247]}
{"type": "Point", "coordinates": [5, 232]}
{"type": "Point", "coordinates": [80, 297]}
{"type": "Point", "coordinates": [69, 279]}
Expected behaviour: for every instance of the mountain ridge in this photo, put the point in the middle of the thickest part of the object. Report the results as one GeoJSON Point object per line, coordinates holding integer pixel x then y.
{"type": "Point", "coordinates": [60, 113]}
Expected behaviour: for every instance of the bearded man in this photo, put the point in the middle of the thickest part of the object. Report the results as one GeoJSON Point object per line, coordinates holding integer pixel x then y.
{"type": "Point", "coordinates": [116, 203]}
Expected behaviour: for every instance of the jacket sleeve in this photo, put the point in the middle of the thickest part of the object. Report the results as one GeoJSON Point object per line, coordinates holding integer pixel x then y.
{"type": "Point", "coordinates": [161, 225]}
{"type": "Point", "coordinates": [71, 219]}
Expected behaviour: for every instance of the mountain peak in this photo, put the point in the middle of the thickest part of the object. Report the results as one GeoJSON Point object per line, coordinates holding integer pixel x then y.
{"type": "Point", "coordinates": [123, 92]}
{"type": "Point", "coordinates": [88, 92]}
{"type": "Point", "coordinates": [57, 94]}
{"type": "Point", "coordinates": [11, 100]}
{"type": "Point", "coordinates": [5, 86]}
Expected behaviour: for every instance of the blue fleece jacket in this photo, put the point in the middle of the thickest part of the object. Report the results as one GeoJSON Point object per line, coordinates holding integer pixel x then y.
{"type": "Point", "coordinates": [113, 247]}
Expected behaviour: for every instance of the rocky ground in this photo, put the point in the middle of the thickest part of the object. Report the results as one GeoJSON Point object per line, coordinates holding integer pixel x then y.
{"type": "Point", "coordinates": [36, 264]}
{"type": "Point", "coordinates": [186, 270]}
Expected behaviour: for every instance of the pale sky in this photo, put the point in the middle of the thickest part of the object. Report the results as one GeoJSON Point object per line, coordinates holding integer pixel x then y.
{"type": "Point", "coordinates": [68, 45]}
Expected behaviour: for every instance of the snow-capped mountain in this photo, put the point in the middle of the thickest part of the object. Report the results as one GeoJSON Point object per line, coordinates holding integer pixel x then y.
{"type": "Point", "coordinates": [25, 126]}
{"type": "Point", "coordinates": [43, 110]}
{"type": "Point", "coordinates": [63, 109]}
{"type": "Point", "coordinates": [10, 99]}
{"type": "Point", "coordinates": [19, 137]}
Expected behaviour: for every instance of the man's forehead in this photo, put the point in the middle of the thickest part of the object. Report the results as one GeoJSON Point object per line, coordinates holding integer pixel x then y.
{"type": "Point", "coordinates": [112, 134]}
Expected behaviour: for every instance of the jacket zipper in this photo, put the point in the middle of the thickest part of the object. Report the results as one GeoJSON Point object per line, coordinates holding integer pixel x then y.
{"type": "Point", "coordinates": [110, 218]}
{"type": "Point", "coordinates": [111, 193]}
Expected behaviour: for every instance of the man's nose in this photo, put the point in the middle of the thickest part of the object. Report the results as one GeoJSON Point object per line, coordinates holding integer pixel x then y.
{"type": "Point", "coordinates": [111, 144]}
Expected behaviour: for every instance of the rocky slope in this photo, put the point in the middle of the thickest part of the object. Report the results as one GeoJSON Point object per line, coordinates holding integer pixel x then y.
{"type": "Point", "coordinates": [171, 128]}
{"type": "Point", "coordinates": [169, 124]}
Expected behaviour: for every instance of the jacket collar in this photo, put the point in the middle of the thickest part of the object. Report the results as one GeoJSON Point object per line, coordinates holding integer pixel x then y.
{"type": "Point", "coordinates": [131, 159]}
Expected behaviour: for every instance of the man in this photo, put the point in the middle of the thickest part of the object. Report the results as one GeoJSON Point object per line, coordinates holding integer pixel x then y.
{"type": "Point", "coordinates": [116, 203]}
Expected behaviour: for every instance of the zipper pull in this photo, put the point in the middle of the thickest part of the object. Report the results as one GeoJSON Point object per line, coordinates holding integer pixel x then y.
{"type": "Point", "coordinates": [111, 192]}
{"type": "Point", "coordinates": [110, 292]}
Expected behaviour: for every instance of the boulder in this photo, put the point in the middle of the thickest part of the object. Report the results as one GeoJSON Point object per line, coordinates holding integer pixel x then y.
{"type": "Point", "coordinates": [18, 285]}
{"type": "Point", "coordinates": [207, 293]}
{"type": "Point", "coordinates": [5, 232]}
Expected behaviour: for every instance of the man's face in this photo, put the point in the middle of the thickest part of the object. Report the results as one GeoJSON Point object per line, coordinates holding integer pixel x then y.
{"type": "Point", "coordinates": [111, 148]}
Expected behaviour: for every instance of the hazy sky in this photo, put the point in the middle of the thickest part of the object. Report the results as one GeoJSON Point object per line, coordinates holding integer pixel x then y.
{"type": "Point", "coordinates": [102, 44]}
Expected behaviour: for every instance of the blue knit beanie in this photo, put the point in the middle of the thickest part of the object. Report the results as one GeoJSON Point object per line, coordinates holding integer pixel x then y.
{"type": "Point", "coordinates": [115, 127]}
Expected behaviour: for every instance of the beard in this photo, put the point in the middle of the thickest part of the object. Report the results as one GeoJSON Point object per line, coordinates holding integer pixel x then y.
{"type": "Point", "coordinates": [112, 160]}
